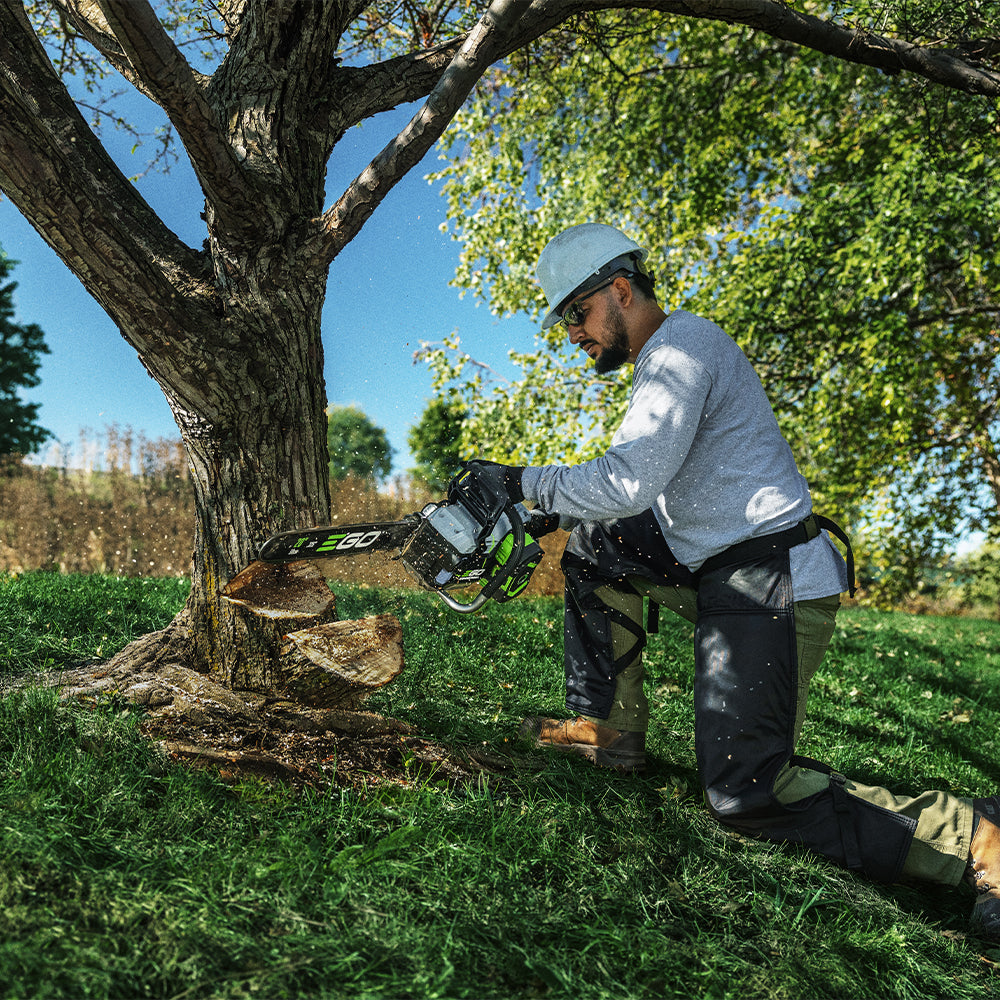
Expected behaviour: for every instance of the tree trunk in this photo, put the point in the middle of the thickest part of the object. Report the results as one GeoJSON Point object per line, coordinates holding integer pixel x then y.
{"type": "Point", "coordinates": [258, 463]}
{"type": "Point", "coordinates": [231, 333]}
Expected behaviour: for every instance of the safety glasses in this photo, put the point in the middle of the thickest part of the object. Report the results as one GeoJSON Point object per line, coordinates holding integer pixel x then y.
{"type": "Point", "coordinates": [573, 315]}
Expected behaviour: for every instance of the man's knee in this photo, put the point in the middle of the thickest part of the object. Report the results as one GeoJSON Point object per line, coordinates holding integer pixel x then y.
{"type": "Point", "coordinates": [740, 807]}
{"type": "Point", "coordinates": [855, 833]}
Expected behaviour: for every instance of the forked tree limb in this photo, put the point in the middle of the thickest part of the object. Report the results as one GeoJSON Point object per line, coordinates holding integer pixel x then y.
{"type": "Point", "coordinates": [181, 92]}
{"type": "Point", "coordinates": [63, 181]}
{"type": "Point", "coordinates": [481, 48]}
{"type": "Point", "coordinates": [88, 20]}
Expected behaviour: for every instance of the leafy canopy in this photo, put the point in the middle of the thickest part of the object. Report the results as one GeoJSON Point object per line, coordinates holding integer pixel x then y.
{"type": "Point", "coordinates": [358, 447]}
{"type": "Point", "coordinates": [436, 442]}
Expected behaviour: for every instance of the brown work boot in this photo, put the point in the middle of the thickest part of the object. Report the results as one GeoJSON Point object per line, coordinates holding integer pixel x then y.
{"type": "Point", "coordinates": [623, 751]}
{"type": "Point", "coordinates": [983, 870]}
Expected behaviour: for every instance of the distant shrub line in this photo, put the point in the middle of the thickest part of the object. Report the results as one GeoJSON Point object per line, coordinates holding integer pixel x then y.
{"type": "Point", "coordinates": [96, 522]}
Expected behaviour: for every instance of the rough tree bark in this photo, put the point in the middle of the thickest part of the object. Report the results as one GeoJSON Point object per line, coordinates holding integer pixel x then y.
{"type": "Point", "coordinates": [231, 331]}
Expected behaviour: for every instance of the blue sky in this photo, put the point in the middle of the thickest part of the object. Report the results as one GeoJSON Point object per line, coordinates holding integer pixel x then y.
{"type": "Point", "coordinates": [387, 291]}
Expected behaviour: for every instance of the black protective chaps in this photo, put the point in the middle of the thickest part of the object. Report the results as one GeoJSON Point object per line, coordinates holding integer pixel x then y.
{"type": "Point", "coordinates": [745, 690]}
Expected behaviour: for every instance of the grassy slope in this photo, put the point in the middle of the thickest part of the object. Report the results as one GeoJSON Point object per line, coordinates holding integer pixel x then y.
{"type": "Point", "coordinates": [120, 877]}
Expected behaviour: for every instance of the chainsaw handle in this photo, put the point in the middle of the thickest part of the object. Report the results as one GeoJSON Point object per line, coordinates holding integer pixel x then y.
{"type": "Point", "coordinates": [473, 605]}
{"type": "Point", "coordinates": [499, 579]}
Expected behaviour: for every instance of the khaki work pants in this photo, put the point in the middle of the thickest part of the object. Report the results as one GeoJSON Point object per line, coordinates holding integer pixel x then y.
{"type": "Point", "coordinates": [940, 846]}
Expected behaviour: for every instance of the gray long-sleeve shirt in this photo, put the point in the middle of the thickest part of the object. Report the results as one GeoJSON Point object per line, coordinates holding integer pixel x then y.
{"type": "Point", "coordinates": [700, 445]}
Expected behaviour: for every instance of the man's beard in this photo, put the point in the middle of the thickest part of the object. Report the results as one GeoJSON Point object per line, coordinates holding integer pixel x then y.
{"type": "Point", "coordinates": [616, 353]}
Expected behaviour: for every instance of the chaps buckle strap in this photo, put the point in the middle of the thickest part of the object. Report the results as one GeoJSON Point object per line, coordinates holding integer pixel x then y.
{"type": "Point", "coordinates": [754, 549]}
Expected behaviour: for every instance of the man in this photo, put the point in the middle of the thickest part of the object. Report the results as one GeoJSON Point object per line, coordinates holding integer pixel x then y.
{"type": "Point", "coordinates": [698, 504]}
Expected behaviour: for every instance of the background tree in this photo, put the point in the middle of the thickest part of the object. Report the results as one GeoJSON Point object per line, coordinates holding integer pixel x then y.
{"type": "Point", "coordinates": [21, 347]}
{"type": "Point", "coordinates": [436, 442]}
{"type": "Point", "coordinates": [230, 330]}
{"type": "Point", "coordinates": [357, 446]}
{"type": "Point", "coordinates": [842, 229]}
{"type": "Point", "coordinates": [978, 576]}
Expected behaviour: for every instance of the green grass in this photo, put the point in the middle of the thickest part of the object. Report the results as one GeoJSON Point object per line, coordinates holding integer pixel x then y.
{"type": "Point", "coordinates": [49, 620]}
{"type": "Point", "coordinates": [121, 876]}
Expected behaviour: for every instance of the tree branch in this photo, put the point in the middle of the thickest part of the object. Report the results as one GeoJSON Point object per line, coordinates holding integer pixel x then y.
{"type": "Point", "coordinates": [483, 45]}
{"type": "Point", "coordinates": [168, 77]}
{"type": "Point", "coordinates": [778, 20]}
{"type": "Point", "coordinates": [63, 181]}
{"type": "Point", "coordinates": [86, 18]}
{"type": "Point", "coordinates": [412, 76]}
{"type": "Point", "coordinates": [385, 85]}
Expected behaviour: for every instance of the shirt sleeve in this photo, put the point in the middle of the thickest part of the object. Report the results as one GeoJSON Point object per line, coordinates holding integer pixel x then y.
{"type": "Point", "coordinates": [669, 394]}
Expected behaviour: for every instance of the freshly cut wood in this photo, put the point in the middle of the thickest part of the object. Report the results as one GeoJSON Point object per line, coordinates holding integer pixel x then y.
{"type": "Point", "coordinates": [289, 591]}
{"type": "Point", "coordinates": [266, 601]}
{"type": "Point", "coordinates": [338, 664]}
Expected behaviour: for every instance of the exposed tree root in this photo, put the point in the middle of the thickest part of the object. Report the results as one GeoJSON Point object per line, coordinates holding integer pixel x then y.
{"type": "Point", "coordinates": [309, 729]}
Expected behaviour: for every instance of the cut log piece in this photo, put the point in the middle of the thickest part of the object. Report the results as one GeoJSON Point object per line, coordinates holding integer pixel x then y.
{"type": "Point", "coordinates": [337, 665]}
{"type": "Point", "coordinates": [270, 601]}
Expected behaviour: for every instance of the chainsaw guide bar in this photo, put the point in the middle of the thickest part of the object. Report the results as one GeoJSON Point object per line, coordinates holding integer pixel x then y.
{"type": "Point", "coordinates": [337, 540]}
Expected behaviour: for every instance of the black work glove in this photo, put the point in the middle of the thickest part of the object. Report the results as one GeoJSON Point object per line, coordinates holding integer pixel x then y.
{"type": "Point", "coordinates": [481, 487]}
{"type": "Point", "coordinates": [499, 477]}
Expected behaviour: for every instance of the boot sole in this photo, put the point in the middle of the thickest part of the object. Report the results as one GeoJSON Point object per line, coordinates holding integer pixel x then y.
{"type": "Point", "coordinates": [618, 760]}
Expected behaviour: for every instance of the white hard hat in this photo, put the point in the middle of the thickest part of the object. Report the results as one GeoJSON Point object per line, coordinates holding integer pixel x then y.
{"type": "Point", "coordinates": [576, 255]}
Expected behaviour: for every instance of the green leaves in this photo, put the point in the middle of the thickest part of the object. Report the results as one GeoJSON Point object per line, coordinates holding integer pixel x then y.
{"type": "Point", "coordinates": [357, 447]}
{"type": "Point", "coordinates": [435, 441]}
{"type": "Point", "coordinates": [552, 414]}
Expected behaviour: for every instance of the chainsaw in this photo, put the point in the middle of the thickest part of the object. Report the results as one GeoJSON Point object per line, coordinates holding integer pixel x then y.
{"type": "Point", "coordinates": [474, 537]}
